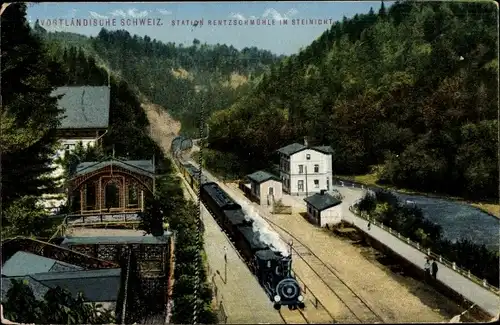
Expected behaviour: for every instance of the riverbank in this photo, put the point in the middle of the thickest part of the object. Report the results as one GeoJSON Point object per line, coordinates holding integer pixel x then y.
{"type": "Point", "coordinates": [371, 180]}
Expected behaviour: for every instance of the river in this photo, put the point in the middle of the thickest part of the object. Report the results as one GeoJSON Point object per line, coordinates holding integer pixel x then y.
{"type": "Point", "coordinates": [458, 220]}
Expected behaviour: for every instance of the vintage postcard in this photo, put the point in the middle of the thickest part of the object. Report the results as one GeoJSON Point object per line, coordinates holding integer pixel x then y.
{"type": "Point", "coordinates": [249, 162]}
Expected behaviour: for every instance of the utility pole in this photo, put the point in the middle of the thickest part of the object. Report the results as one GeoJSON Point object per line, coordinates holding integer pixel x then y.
{"type": "Point", "coordinates": [225, 264]}
{"type": "Point", "coordinates": [307, 192]}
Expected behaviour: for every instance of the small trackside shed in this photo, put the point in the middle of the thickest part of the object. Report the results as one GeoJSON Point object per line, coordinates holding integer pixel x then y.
{"type": "Point", "coordinates": [323, 209]}
{"type": "Point", "coordinates": [265, 187]}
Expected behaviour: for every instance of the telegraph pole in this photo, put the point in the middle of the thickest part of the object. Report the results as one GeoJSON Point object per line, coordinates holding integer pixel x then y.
{"type": "Point", "coordinates": [307, 192]}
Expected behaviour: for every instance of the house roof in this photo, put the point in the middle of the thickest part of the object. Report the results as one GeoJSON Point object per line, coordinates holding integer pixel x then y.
{"type": "Point", "coordinates": [85, 107]}
{"type": "Point", "coordinates": [24, 263]}
{"type": "Point", "coordinates": [297, 147]}
{"type": "Point", "coordinates": [262, 176]}
{"type": "Point", "coordinates": [292, 148]}
{"type": "Point", "coordinates": [148, 240]}
{"type": "Point", "coordinates": [322, 201]}
{"type": "Point", "coordinates": [43, 273]}
{"type": "Point", "coordinates": [96, 285]}
{"type": "Point", "coordinates": [144, 167]}
{"type": "Point", "coordinates": [323, 149]}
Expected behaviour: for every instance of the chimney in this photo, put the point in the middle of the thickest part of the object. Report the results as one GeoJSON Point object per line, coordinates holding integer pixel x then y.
{"type": "Point", "coordinates": [322, 192]}
{"type": "Point", "coordinates": [305, 141]}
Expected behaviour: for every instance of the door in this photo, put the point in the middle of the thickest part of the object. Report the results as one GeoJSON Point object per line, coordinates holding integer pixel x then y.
{"type": "Point", "coordinates": [300, 186]}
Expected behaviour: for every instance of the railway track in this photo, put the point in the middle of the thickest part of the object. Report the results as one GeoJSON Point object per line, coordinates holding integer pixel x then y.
{"type": "Point", "coordinates": [293, 316]}
{"type": "Point", "coordinates": [358, 307]}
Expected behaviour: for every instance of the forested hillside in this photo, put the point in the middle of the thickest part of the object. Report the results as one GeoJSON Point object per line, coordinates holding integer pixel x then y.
{"type": "Point", "coordinates": [31, 70]}
{"type": "Point", "coordinates": [411, 91]}
{"type": "Point", "coordinates": [179, 78]}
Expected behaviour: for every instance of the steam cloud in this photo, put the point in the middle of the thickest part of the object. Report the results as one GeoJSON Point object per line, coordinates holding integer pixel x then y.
{"type": "Point", "coordinates": [262, 231]}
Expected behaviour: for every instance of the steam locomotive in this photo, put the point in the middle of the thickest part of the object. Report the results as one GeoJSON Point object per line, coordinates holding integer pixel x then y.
{"type": "Point", "coordinates": [272, 269]}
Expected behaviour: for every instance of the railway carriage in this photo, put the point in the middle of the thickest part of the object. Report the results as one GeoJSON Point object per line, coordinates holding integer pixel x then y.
{"type": "Point", "coordinates": [234, 219]}
{"type": "Point", "coordinates": [272, 269]}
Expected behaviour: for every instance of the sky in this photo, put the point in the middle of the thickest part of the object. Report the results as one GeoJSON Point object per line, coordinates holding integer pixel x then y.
{"type": "Point", "coordinates": [278, 38]}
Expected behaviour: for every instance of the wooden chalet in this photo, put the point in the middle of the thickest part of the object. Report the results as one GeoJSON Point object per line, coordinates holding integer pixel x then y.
{"type": "Point", "coordinates": [111, 186]}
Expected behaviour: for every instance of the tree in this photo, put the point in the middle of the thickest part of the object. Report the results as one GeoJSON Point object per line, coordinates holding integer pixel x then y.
{"type": "Point", "coordinates": [31, 113]}
{"type": "Point", "coordinates": [169, 205]}
{"type": "Point", "coordinates": [25, 217]}
{"type": "Point", "coordinates": [390, 91]}
{"type": "Point", "coordinates": [57, 307]}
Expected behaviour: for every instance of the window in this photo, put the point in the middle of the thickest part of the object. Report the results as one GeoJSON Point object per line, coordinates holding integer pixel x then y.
{"type": "Point", "coordinates": [308, 156]}
{"type": "Point", "coordinates": [316, 183]}
{"type": "Point", "coordinates": [316, 168]}
{"type": "Point", "coordinates": [300, 185]}
{"type": "Point", "coordinates": [301, 169]}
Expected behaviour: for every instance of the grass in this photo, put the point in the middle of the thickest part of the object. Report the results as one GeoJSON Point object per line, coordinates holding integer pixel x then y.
{"type": "Point", "coordinates": [372, 178]}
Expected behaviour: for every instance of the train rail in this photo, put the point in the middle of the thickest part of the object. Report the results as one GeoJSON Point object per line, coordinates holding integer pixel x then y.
{"type": "Point", "coordinates": [293, 316]}
{"type": "Point", "coordinates": [358, 307]}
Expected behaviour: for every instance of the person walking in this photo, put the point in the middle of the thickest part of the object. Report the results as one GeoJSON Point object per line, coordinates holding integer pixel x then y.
{"type": "Point", "coordinates": [369, 225]}
{"type": "Point", "coordinates": [434, 269]}
{"type": "Point", "coordinates": [427, 269]}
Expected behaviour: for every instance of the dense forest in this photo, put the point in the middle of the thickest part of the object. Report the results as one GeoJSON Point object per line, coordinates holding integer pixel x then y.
{"type": "Point", "coordinates": [410, 92]}
{"type": "Point", "coordinates": [180, 78]}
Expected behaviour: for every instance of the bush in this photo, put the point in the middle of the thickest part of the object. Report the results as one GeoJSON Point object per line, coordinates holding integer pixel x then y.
{"type": "Point", "coordinates": [410, 222]}
{"type": "Point", "coordinates": [169, 206]}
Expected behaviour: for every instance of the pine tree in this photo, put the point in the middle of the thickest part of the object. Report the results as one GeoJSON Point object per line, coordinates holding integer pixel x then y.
{"type": "Point", "coordinates": [27, 104]}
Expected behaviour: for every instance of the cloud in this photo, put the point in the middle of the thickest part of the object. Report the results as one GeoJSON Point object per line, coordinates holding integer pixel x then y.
{"type": "Point", "coordinates": [118, 12]}
{"type": "Point", "coordinates": [134, 13]}
{"type": "Point", "coordinates": [96, 15]}
{"type": "Point", "coordinates": [237, 16]}
{"type": "Point", "coordinates": [274, 14]}
{"type": "Point", "coordinates": [164, 12]}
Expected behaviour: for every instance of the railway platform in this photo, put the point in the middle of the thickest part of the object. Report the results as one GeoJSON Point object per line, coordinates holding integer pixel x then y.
{"type": "Point", "coordinates": [239, 296]}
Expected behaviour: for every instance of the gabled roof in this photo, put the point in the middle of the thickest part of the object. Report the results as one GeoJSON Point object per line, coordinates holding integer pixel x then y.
{"type": "Point", "coordinates": [262, 176]}
{"type": "Point", "coordinates": [24, 263]}
{"type": "Point", "coordinates": [144, 167]}
{"type": "Point", "coordinates": [297, 147]}
{"type": "Point", "coordinates": [322, 201]}
{"type": "Point", "coordinates": [292, 148]}
{"type": "Point", "coordinates": [84, 107]}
